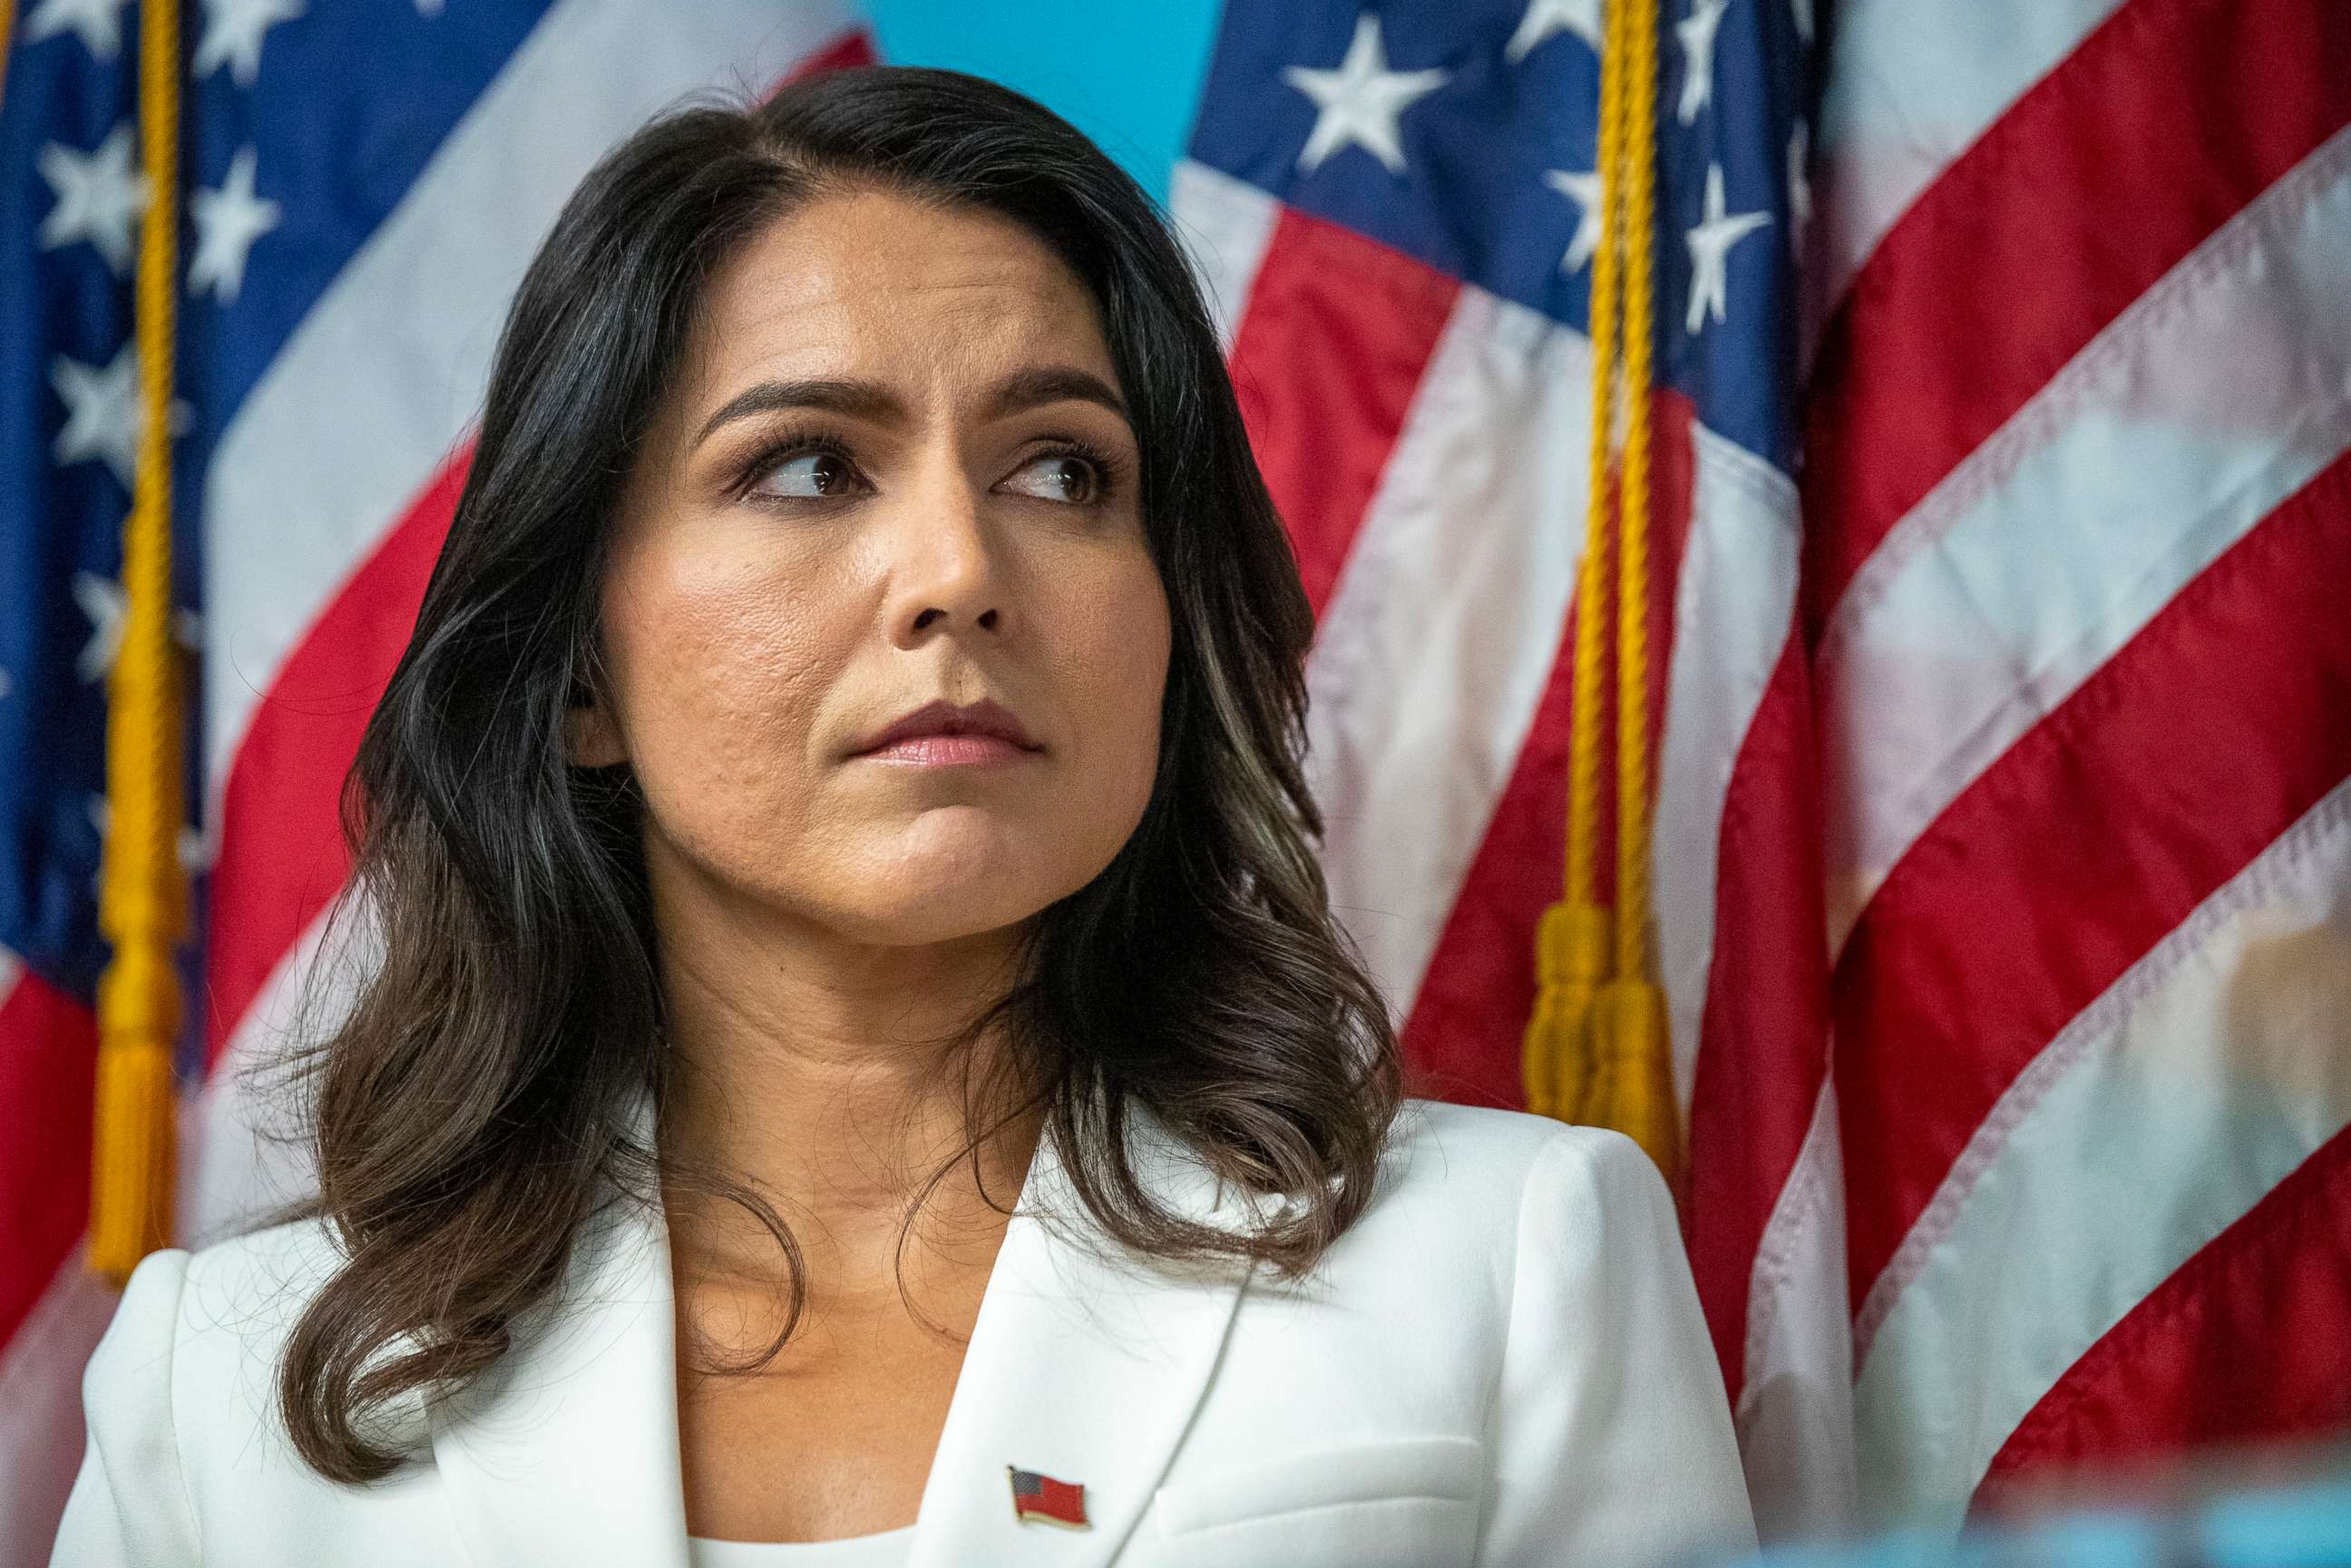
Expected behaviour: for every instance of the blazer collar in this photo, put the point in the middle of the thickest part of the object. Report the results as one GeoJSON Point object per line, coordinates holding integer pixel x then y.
{"type": "Point", "coordinates": [1084, 1363]}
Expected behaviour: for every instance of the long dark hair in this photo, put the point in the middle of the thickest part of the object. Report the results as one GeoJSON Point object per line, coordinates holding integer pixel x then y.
{"type": "Point", "coordinates": [466, 1111]}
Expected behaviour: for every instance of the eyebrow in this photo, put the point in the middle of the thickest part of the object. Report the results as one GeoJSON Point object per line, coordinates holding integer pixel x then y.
{"type": "Point", "coordinates": [1019, 392]}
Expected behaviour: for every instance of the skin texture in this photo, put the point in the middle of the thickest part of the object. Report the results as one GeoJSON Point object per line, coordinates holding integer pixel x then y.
{"type": "Point", "coordinates": [822, 915]}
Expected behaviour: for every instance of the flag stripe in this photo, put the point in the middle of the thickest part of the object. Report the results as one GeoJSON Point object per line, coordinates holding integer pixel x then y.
{"type": "Point", "coordinates": [1917, 82]}
{"type": "Point", "coordinates": [2095, 835]}
{"type": "Point", "coordinates": [1735, 586]}
{"type": "Point", "coordinates": [1479, 983]}
{"type": "Point", "coordinates": [238, 1163]}
{"type": "Point", "coordinates": [1327, 360]}
{"type": "Point", "coordinates": [1764, 1040]}
{"type": "Point", "coordinates": [1999, 280]}
{"type": "Point", "coordinates": [1794, 1409]}
{"type": "Point", "coordinates": [2202, 1360]}
{"type": "Point", "coordinates": [40, 1389]}
{"type": "Point", "coordinates": [282, 856]}
{"type": "Point", "coordinates": [48, 1073]}
{"type": "Point", "coordinates": [1224, 225]}
{"type": "Point", "coordinates": [1432, 652]}
{"type": "Point", "coordinates": [2217, 395]}
{"type": "Point", "coordinates": [2201, 1078]}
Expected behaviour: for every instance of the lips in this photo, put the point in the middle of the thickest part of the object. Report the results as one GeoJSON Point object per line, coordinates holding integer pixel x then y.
{"type": "Point", "coordinates": [983, 717]}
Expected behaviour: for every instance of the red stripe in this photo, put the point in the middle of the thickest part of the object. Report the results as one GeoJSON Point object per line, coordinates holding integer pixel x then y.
{"type": "Point", "coordinates": [282, 856]}
{"type": "Point", "coordinates": [1328, 355]}
{"type": "Point", "coordinates": [48, 1071]}
{"type": "Point", "coordinates": [2250, 1338]}
{"type": "Point", "coordinates": [2096, 834]}
{"type": "Point", "coordinates": [2162, 124]}
{"type": "Point", "coordinates": [1461, 1038]}
{"type": "Point", "coordinates": [852, 49]}
{"type": "Point", "coordinates": [1764, 1035]}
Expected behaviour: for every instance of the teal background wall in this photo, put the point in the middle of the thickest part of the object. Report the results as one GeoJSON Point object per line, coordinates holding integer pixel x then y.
{"type": "Point", "coordinates": [1125, 72]}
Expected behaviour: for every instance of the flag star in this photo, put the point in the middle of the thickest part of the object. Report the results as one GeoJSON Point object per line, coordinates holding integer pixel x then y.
{"type": "Point", "coordinates": [1799, 185]}
{"type": "Point", "coordinates": [1709, 248]}
{"type": "Point", "coordinates": [1361, 101]}
{"type": "Point", "coordinates": [102, 411]}
{"type": "Point", "coordinates": [1545, 19]}
{"type": "Point", "coordinates": [1802, 11]}
{"type": "Point", "coordinates": [428, 7]}
{"type": "Point", "coordinates": [1696, 32]}
{"type": "Point", "coordinates": [7, 685]}
{"type": "Point", "coordinates": [1584, 190]}
{"type": "Point", "coordinates": [102, 600]}
{"type": "Point", "coordinates": [232, 30]}
{"type": "Point", "coordinates": [100, 197]}
{"type": "Point", "coordinates": [99, 23]}
{"type": "Point", "coordinates": [228, 220]}
{"type": "Point", "coordinates": [192, 847]}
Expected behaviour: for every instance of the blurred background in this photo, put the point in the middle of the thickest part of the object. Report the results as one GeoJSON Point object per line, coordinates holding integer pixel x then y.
{"type": "Point", "coordinates": [1832, 657]}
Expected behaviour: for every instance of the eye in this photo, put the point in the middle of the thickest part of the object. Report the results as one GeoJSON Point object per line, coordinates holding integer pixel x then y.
{"type": "Point", "coordinates": [1069, 477]}
{"type": "Point", "coordinates": [807, 475]}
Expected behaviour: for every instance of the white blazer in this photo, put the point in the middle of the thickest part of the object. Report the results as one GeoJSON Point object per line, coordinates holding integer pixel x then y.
{"type": "Point", "coordinates": [1502, 1363]}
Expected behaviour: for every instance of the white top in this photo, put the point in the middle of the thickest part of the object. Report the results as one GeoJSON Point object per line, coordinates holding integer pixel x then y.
{"type": "Point", "coordinates": [887, 1549]}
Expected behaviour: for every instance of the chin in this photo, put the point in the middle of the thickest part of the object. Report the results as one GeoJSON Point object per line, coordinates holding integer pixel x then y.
{"type": "Point", "coordinates": [938, 918]}
{"type": "Point", "coordinates": [926, 899]}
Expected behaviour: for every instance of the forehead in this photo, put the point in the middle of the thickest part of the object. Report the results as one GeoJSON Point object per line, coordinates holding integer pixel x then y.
{"type": "Point", "coordinates": [883, 287]}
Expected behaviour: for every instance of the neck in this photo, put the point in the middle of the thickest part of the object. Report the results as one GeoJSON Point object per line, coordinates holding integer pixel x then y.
{"type": "Point", "coordinates": [823, 1073]}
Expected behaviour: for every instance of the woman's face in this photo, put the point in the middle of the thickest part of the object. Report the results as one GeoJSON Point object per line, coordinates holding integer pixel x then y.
{"type": "Point", "coordinates": [893, 470]}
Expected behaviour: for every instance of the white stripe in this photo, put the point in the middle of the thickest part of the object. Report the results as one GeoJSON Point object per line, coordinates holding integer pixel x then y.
{"type": "Point", "coordinates": [2217, 395]}
{"type": "Point", "coordinates": [1795, 1406]}
{"type": "Point", "coordinates": [1441, 632]}
{"type": "Point", "coordinates": [1223, 224]}
{"type": "Point", "coordinates": [381, 381]}
{"type": "Point", "coordinates": [2158, 1117]}
{"type": "Point", "coordinates": [9, 970]}
{"type": "Point", "coordinates": [1916, 83]}
{"type": "Point", "coordinates": [40, 1391]}
{"type": "Point", "coordinates": [1732, 609]}
{"type": "Point", "coordinates": [239, 1156]}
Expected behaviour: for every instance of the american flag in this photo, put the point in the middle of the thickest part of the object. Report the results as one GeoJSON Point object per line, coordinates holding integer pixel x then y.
{"type": "Point", "coordinates": [1040, 1497]}
{"type": "Point", "coordinates": [2003, 867]}
{"type": "Point", "coordinates": [352, 238]}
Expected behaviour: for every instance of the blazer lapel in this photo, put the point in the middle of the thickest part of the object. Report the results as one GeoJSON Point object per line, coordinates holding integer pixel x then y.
{"type": "Point", "coordinates": [566, 1451]}
{"type": "Point", "coordinates": [1083, 1365]}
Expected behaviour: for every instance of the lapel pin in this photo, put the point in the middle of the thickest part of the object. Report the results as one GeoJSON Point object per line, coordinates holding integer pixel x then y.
{"type": "Point", "coordinates": [1041, 1498]}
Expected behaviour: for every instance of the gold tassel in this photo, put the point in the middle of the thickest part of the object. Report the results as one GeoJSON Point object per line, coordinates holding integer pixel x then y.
{"type": "Point", "coordinates": [142, 897]}
{"type": "Point", "coordinates": [1597, 1048]}
{"type": "Point", "coordinates": [1572, 941]}
{"type": "Point", "coordinates": [1632, 1079]}
{"type": "Point", "coordinates": [1570, 962]}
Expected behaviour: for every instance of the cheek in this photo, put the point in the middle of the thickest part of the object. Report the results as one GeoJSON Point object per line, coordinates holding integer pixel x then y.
{"type": "Point", "coordinates": [1119, 653]}
{"type": "Point", "coordinates": [720, 670]}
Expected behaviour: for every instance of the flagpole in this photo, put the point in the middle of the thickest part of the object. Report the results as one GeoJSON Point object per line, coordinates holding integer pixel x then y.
{"type": "Point", "coordinates": [144, 895]}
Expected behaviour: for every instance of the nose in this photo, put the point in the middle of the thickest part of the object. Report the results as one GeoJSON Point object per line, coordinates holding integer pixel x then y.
{"type": "Point", "coordinates": [945, 571]}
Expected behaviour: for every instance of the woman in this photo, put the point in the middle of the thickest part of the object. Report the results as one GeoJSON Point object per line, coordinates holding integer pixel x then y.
{"type": "Point", "coordinates": [861, 1066]}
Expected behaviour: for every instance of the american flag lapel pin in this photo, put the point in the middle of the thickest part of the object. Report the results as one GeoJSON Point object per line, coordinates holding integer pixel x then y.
{"type": "Point", "coordinates": [1043, 1499]}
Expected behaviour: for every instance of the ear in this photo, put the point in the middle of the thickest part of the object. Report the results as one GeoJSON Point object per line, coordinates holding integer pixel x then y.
{"type": "Point", "coordinates": [590, 738]}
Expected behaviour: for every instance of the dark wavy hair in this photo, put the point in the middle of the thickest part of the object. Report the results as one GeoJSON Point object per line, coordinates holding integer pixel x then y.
{"type": "Point", "coordinates": [466, 1112]}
